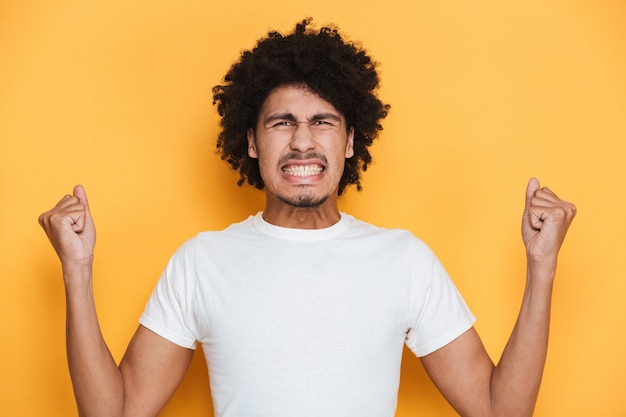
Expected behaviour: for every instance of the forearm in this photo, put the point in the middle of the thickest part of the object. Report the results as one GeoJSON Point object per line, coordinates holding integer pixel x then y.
{"type": "Point", "coordinates": [462, 369]}
{"type": "Point", "coordinates": [517, 377]}
{"type": "Point", "coordinates": [97, 381]}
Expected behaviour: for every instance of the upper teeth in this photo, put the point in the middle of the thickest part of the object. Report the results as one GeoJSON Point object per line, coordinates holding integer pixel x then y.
{"type": "Point", "coordinates": [302, 170]}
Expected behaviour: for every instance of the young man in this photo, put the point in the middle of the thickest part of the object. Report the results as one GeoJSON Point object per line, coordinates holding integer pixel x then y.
{"type": "Point", "coordinates": [302, 310]}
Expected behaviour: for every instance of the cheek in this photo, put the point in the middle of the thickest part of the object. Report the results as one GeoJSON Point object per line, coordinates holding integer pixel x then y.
{"type": "Point", "coordinates": [262, 165]}
{"type": "Point", "coordinates": [267, 164]}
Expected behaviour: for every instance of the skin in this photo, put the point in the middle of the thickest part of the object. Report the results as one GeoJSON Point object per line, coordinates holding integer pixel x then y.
{"type": "Point", "coordinates": [153, 367]}
{"type": "Point", "coordinates": [297, 129]}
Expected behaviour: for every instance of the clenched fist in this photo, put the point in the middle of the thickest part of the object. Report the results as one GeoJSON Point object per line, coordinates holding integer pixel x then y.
{"type": "Point", "coordinates": [71, 230]}
{"type": "Point", "coordinates": [544, 225]}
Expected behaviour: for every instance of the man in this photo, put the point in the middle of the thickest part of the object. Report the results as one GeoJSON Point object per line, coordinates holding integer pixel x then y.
{"type": "Point", "coordinates": [302, 310]}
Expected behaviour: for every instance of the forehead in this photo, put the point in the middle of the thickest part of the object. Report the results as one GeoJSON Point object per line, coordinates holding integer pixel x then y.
{"type": "Point", "coordinates": [296, 100]}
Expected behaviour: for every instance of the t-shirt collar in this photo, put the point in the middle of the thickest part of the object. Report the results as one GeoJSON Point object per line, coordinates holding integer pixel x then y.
{"type": "Point", "coordinates": [300, 235]}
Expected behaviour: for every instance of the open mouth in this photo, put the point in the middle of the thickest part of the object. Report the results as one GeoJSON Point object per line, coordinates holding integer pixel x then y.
{"type": "Point", "coordinates": [303, 170]}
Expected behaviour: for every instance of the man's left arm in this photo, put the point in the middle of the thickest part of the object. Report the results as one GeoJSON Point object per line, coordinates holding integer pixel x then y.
{"type": "Point", "coordinates": [463, 371]}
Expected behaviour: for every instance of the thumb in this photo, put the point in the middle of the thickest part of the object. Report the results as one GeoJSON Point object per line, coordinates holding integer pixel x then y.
{"type": "Point", "coordinates": [530, 223]}
{"type": "Point", "coordinates": [79, 192]}
{"type": "Point", "coordinates": [531, 189]}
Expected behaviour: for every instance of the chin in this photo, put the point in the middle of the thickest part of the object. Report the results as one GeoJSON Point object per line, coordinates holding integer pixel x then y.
{"type": "Point", "coordinates": [305, 200]}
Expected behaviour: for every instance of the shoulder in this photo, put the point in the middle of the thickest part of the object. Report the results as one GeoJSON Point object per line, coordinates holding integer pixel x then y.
{"type": "Point", "coordinates": [360, 228]}
{"type": "Point", "coordinates": [239, 230]}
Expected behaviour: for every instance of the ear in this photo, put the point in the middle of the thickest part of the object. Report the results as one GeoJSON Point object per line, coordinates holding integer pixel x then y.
{"type": "Point", "coordinates": [252, 153]}
{"type": "Point", "coordinates": [350, 144]}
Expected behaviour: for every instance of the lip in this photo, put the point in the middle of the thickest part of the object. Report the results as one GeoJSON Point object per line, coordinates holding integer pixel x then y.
{"type": "Point", "coordinates": [299, 170]}
{"type": "Point", "coordinates": [303, 160]}
{"type": "Point", "coordinates": [303, 167]}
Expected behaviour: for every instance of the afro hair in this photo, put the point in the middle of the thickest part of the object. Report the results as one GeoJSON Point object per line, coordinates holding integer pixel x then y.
{"type": "Point", "coordinates": [338, 71]}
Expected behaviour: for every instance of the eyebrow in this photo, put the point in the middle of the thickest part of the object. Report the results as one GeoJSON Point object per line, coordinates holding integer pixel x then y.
{"type": "Point", "coordinates": [291, 117]}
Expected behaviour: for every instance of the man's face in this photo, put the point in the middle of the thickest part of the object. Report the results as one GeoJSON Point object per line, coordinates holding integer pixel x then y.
{"type": "Point", "coordinates": [301, 142]}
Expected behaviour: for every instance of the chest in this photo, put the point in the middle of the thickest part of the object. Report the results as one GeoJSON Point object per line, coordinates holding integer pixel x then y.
{"type": "Point", "coordinates": [308, 293]}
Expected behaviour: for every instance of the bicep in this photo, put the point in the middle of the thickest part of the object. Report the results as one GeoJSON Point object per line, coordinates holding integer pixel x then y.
{"type": "Point", "coordinates": [152, 368]}
{"type": "Point", "coordinates": [462, 370]}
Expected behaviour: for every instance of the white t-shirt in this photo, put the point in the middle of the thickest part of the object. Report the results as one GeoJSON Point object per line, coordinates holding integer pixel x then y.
{"type": "Point", "coordinates": [306, 323]}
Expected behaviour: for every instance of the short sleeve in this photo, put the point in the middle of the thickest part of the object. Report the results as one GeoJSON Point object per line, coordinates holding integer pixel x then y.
{"type": "Point", "coordinates": [438, 312]}
{"type": "Point", "coordinates": [169, 311]}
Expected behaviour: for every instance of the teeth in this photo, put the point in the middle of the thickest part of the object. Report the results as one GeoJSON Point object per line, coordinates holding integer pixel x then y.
{"type": "Point", "coordinates": [303, 170]}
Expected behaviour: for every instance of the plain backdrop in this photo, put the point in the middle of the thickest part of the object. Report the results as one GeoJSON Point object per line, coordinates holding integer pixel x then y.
{"type": "Point", "coordinates": [116, 95]}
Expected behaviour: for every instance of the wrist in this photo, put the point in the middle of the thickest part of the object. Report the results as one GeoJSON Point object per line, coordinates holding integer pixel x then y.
{"type": "Point", "coordinates": [542, 266]}
{"type": "Point", "coordinates": [541, 274]}
{"type": "Point", "coordinates": [77, 271]}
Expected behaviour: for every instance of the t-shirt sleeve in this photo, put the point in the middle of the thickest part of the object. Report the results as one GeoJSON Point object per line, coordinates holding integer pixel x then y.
{"type": "Point", "coordinates": [169, 311]}
{"type": "Point", "coordinates": [439, 312]}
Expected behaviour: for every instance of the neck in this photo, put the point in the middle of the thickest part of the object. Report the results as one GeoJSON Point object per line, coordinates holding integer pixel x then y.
{"type": "Point", "coordinates": [284, 215]}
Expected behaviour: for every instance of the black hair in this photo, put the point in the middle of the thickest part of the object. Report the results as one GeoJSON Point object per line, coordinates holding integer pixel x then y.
{"type": "Point", "coordinates": [339, 71]}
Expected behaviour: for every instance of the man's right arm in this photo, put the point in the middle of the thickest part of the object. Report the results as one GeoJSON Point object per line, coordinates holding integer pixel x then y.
{"type": "Point", "coordinates": [152, 366]}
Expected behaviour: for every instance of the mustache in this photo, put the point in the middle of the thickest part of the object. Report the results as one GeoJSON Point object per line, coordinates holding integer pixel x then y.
{"type": "Point", "coordinates": [299, 156]}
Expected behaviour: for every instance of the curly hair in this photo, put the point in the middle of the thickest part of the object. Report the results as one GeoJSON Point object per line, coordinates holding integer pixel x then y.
{"type": "Point", "coordinates": [338, 71]}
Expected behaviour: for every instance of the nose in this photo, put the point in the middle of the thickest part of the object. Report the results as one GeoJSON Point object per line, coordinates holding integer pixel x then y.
{"type": "Point", "coordinates": [302, 138]}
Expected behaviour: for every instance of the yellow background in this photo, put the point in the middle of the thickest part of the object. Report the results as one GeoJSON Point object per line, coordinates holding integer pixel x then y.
{"type": "Point", "coordinates": [116, 95]}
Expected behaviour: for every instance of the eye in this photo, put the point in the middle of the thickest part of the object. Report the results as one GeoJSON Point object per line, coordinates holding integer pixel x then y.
{"type": "Point", "coordinates": [323, 124]}
{"type": "Point", "coordinates": [282, 124]}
